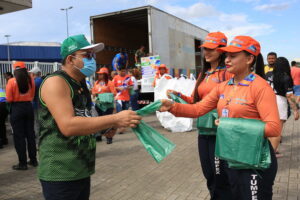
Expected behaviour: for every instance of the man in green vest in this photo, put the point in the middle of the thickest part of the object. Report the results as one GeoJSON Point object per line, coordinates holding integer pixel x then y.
{"type": "Point", "coordinates": [66, 141]}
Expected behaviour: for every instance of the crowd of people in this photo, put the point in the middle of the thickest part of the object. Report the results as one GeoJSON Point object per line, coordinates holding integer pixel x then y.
{"type": "Point", "coordinates": [233, 83]}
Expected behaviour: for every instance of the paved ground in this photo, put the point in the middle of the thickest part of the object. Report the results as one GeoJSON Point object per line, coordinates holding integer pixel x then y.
{"type": "Point", "coordinates": [125, 171]}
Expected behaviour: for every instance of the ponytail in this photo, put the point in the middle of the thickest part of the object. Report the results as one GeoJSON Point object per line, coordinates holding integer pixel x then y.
{"type": "Point", "coordinates": [23, 80]}
{"type": "Point", "coordinates": [259, 66]}
{"type": "Point", "coordinates": [203, 71]}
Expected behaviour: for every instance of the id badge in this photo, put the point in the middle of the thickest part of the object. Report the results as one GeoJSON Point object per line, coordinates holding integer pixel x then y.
{"type": "Point", "coordinates": [225, 112]}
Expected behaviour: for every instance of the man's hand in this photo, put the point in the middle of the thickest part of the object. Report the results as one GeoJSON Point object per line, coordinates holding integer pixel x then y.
{"type": "Point", "coordinates": [296, 114]}
{"type": "Point", "coordinates": [127, 118]}
{"type": "Point", "coordinates": [171, 92]}
{"type": "Point", "coordinates": [166, 105]}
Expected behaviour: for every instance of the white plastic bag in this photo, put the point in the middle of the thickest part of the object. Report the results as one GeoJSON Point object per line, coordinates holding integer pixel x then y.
{"type": "Point", "coordinates": [167, 120]}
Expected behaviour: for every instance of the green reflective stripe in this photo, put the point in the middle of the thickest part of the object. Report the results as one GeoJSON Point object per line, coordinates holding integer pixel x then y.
{"type": "Point", "coordinates": [40, 97]}
{"type": "Point", "coordinates": [2, 94]}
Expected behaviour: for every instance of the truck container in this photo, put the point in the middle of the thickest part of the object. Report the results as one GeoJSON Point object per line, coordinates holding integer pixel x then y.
{"type": "Point", "coordinates": [173, 39]}
{"type": "Point", "coordinates": [176, 41]}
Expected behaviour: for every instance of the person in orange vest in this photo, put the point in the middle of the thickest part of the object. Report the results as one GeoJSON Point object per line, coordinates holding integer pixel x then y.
{"type": "Point", "coordinates": [104, 85]}
{"type": "Point", "coordinates": [19, 93]}
{"type": "Point", "coordinates": [295, 72]}
{"type": "Point", "coordinates": [161, 70]}
{"type": "Point", "coordinates": [246, 95]}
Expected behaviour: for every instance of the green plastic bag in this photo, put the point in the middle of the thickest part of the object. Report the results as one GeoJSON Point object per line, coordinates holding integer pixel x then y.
{"type": "Point", "coordinates": [206, 123]}
{"type": "Point", "coordinates": [157, 145]}
{"type": "Point", "coordinates": [149, 109]}
{"type": "Point", "coordinates": [131, 91]}
{"type": "Point", "coordinates": [264, 163]}
{"type": "Point", "coordinates": [105, 101]}
{"type": "Point", "coordinates": [105, 98]}
{"type": "Point", "coordinates": [242, 143]}
{"type": "Point", "coordinates": [177, 99]}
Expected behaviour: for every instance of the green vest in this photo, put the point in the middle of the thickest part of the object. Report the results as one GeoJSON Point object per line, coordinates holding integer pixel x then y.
{"type": "Point", "coordinates": [66, 158]}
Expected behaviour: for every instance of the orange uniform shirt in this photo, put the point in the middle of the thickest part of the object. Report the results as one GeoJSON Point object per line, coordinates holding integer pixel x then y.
{"type": "Point", "coordinates": [295, 72]}
{"type": "Point", "coordinates": [253, 99]}
{"type": "Point", "coordinates": [120, 81]}
{"type": "Point", "coordinates": [101, 87]}
{"type": "Point", "coordinates": [209, 82]}
{"type": "Point", "coordinates": [13, 94]}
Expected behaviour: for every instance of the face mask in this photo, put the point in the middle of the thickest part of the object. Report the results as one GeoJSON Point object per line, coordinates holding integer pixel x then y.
{"type": "Point", "coordinates": [89, 67]}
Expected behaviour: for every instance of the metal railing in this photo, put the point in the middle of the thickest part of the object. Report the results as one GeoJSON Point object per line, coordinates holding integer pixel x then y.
{"type": "Point", "coordinates": [46, 68]}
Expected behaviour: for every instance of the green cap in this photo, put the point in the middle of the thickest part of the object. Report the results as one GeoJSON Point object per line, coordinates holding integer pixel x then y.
{"type": "Point", "coordinates": [78, 42]}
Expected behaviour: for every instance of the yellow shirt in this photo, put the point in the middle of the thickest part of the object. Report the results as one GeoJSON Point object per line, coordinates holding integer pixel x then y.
{"type": "Point", "coordinates": [268, 69]}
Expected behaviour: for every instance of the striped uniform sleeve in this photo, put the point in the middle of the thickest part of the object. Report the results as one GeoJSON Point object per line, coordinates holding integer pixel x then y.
{"type": "Point", "coordinates": [267, 108]}
{"type": "Point", "coordinates": [209, 103]}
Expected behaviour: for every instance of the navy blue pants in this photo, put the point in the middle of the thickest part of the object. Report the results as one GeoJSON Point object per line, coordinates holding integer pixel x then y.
{"type": "Point", "coordinates": [122, 105]}
{"type": "Point", "coordinates": [3, 116]}
{"type": "Point", "coordinates": [22, 122]}
{"type": "Point", "coordinates": [67, 190]}
{"type": "Point", "coordinates": [134, 100]}
{"type": "Point", "coordinates": [250, 184]}
{"type": "Point", "coordinates": [213, 169]}
{"type": "Point", "coordinates": [103, 113]}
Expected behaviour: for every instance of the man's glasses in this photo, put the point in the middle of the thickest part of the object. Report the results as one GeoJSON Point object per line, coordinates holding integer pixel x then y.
{"type": "Point", "coordinates": [88, 55]}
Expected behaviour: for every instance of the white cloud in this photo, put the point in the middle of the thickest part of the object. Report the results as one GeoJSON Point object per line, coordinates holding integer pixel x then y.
{"type": "Point", "coordinates": [253, 30]}
{"type": "Point", "coordinates": [241, 18]}
{"type": "Point", "coordinates": [45, 21]}
{"type": "Point", "coordinates": [272, 7]}
{"type": "Point", "coordinates": [247, 1]}
{"type": "Point", "coordinates": [194, 11]}
{"type": "Point", "coordinates": [211, 19]}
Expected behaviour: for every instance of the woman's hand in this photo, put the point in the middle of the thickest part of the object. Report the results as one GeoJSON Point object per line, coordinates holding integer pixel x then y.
{"type": "Point", "coordinates": [166, 105]}
{"type": "Point", "coordinates": [217, 122]}
{"type": "Point", "coordinates": [171, 92]}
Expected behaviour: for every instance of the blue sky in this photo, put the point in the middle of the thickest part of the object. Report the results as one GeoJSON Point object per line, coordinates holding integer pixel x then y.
{"type": "Point", "coordinates": [274, 23]}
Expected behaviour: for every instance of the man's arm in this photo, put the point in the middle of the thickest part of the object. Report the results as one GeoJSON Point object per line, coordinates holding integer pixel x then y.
{"type": "Point", "coordinates": [56, 94]}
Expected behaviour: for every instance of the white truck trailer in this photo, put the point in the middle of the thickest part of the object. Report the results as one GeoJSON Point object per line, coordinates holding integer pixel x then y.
{"type": "Point", "coordinates": [173, 39]}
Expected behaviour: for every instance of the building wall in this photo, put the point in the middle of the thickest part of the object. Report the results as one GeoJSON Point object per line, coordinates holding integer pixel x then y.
{"type": "Point", "coordinates": [8, 6]}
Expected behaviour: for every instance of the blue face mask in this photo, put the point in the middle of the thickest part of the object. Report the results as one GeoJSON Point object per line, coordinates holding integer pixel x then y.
{"type": "Point", "coordinates": [89, 67]}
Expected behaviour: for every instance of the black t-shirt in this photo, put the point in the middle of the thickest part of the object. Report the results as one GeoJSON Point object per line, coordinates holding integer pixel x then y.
{"type": "Point", "coordinates": [285, 84]}
{"type": "Point", "coordinates": [269, 77]}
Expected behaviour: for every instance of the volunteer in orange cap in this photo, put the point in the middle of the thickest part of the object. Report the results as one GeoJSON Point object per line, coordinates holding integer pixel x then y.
{"type": "Point", "coordinates": [104, 85]}
{"type": "Point", "coordinates": [123, 84]}
{"type": "Point", "coordinates": [161, 70]}
{"type": "Point", "coordinates": [19, 93]}
{"type": "Point", "coordinates": [213, 73]}
{"type": "Point", "coordinates": [246, 95]}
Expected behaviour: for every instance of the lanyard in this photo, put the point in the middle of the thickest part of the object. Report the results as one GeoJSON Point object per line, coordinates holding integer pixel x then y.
{"type": "Point", "coordinates": [231, 95]}
{"type": "Point", "coordinates": [208, 75]}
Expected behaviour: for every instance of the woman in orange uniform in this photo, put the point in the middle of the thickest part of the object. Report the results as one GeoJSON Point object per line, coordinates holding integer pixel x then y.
{"type": "Point", "coordinates": [19, 93]}
{"type": "Point", "coordinates": [246, 95]}
{"type": "Point", "coordinates": [213, 73]}
{"type": "Point", "coordinates": [104, 85]}
{"type": "Point", "coordinates": [161, 70]}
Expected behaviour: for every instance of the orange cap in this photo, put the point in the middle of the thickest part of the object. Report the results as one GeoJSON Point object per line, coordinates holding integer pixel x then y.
{"type": "Point", "coordinates": [214, 39]}
{"type": "Point", "coordinates": [19, 65]}
{"type": "Point", "coordinates": [243, 43]}
{"type": "Point", "coordinates": [103, 70]}
{"type": "Point", "coordinates": [162, 66]}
